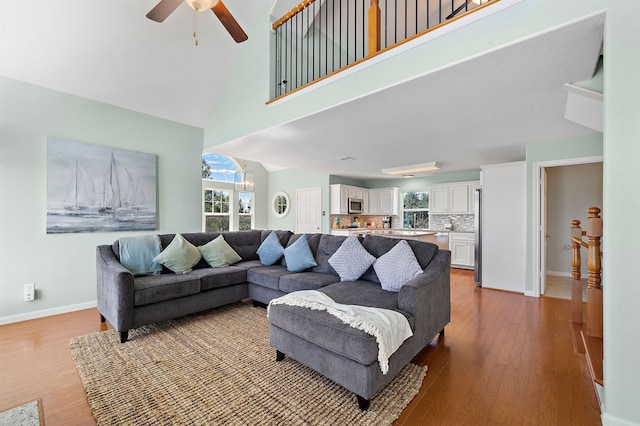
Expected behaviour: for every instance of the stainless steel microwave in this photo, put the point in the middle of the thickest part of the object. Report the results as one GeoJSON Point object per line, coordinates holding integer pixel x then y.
{"type": "Point", "coordinates": [356, 205]}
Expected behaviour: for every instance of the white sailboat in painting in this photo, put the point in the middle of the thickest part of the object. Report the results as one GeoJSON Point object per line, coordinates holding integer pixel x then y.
{"type": "Point", "coordinates": [82, 195]}
{"type": "Point", "coordinates": [122, 195]}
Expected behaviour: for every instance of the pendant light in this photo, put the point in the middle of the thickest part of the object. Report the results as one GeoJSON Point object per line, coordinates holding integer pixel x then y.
{"type": "Point", "coordinates": [243, 179]}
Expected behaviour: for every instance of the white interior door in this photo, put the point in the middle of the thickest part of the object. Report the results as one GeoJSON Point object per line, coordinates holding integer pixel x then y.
{"type": "Point", "coordinates": [309, 211]}
{"type": "Point", "coordinates": [544, 235]}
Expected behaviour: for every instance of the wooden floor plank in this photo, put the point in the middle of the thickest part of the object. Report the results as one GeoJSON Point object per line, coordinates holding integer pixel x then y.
{"type": "Point", "coordinates": [505, 359]}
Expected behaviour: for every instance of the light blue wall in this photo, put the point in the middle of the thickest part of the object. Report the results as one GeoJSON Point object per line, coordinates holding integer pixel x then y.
{"type": "Point", "coordinates": [63, 266]}
{"type": "Point", "coordinates": [289, 181]}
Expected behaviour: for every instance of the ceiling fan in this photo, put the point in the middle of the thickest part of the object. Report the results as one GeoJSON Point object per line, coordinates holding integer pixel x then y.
{"type": "Point", "coordinates": [163, 9]}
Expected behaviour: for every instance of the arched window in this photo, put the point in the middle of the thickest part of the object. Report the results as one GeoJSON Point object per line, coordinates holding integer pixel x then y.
{"type": "Point", "coordinates": [218, 167]}
{"type": "Point", "coordinates": [223, 208]}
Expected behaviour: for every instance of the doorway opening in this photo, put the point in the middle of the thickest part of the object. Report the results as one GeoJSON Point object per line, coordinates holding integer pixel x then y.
{"type": "Point", "coordinates": [565, 190]}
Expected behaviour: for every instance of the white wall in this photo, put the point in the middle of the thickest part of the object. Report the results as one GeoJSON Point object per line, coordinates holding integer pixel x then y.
{"type": "Point", "coordinates": [63, 265]}
{"type": "Point", "coordinates": [571, 190]}
{"type": "Point", "coordinates": [503, 226]}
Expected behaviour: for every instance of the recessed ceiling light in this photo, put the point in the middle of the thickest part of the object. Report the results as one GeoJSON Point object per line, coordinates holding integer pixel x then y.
{"type": "Point", "coordinates": [415, 168]}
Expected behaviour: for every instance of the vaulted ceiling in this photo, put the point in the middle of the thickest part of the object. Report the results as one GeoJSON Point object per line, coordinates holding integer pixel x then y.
{"type": "Point", "coordinates": [483, 110]}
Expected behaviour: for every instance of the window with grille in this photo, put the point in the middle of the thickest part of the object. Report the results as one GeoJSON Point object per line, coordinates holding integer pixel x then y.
{"type": "Point", "coordinates": [415, 209]}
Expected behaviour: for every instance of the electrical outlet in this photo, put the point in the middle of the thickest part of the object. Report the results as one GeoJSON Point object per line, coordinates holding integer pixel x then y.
{"type": "Point", "coordinates": [565, 247]}
{"type": "Point", "coordinates": [29, 292]}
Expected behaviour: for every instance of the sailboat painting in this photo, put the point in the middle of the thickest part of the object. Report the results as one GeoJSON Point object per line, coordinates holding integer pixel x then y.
{"type": "Point", "coordinates": [92, 188]}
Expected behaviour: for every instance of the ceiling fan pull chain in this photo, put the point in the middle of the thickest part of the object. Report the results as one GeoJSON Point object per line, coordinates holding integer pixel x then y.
{"type": "Point", "coordinates": [195, 25]}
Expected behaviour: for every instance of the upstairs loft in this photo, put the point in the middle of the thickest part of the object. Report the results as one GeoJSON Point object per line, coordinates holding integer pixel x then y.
{"type": "Point", "coordinates": [320, 38]}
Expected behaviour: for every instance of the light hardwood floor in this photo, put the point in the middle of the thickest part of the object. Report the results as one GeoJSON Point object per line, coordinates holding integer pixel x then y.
{"type": "Point", "coordinates": [505, 359]}
{"type": "Point", "coordinates": [560, 287]}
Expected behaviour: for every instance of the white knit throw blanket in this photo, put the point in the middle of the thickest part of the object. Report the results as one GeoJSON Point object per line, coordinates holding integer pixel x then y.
{"type": "Point", "coordinates": [390, 328]}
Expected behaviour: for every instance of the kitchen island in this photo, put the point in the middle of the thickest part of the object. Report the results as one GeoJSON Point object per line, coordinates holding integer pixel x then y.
{"type": "Point", "coordinates": [441, 239]}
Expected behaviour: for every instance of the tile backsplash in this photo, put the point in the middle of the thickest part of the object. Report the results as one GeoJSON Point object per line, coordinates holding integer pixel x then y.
{"type": "Point", "coordinates": [461, 222]}
{"type": "Point", "coordinates": [363, 220]}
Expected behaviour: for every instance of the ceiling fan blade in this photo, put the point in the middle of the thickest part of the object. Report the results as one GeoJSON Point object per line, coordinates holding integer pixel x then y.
{"type": "Point", "coordinates": [229, 22]}
{"type": "Point", "coordinates": [163, 10]}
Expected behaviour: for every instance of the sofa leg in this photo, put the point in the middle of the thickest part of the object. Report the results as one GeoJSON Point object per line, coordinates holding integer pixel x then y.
{"type": "Point", "coordinates": [102, 318]}
{"type": "Point", "coordinates": [124, 335]}
{"type": "Point", "coordinates": [363, 403]}
{"type": "Point", "coordinates": [257, 304]}
{"type": "Point", "coordinates": [442, 333]}
{"type": "Point", "coordinates": [279, 356]}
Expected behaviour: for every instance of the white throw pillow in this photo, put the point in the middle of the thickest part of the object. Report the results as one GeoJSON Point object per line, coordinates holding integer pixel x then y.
{"type": "Point", "coordinates": [397, 266]}
{"type": "Point", "coordinates": [351, 260]}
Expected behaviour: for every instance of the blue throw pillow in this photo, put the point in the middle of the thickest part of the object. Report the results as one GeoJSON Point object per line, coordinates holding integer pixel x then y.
{"type": "Point", "coordinates": [137, 254]}
{"type": "Point", "coordinates": [270, 251]}
{"type": "Point", "coordinates": [298, 255]}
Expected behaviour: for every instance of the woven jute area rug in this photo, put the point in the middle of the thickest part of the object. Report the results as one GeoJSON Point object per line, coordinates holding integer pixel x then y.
{"type": "Point", "coordinates": [218, 368]}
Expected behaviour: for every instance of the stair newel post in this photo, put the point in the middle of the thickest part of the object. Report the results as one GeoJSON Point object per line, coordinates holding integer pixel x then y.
{"type": "Point", "coordinates": [576, 283]}
{"type": "Point", "coordinates": [374, 27]}
{"type": "Point", "coordinates": [594, 291]}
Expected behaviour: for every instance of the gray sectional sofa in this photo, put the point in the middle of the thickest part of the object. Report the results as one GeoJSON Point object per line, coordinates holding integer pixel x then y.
{"type": "Point", "coordinates": [315, 338]}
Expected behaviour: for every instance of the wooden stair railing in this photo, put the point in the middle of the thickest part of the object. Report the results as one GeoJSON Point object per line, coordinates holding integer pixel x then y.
{"type": "Point", "coordinates": [592, 339]}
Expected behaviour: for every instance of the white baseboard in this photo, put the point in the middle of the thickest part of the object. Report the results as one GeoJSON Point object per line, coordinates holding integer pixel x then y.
{"type": "Point", "coordinates": [609, 420]}
{"type": "Point", "coordinates": [564, 274]}
{"type": "Point", "coordinates": [47, 312]}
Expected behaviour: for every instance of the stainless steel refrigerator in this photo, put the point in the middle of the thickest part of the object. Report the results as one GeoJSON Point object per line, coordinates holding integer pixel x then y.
{"type": "Point", "coordinates": [477, 252]}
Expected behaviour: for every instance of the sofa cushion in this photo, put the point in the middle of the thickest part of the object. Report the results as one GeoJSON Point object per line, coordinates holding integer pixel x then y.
{"type": "Point", "coordinates": [326, 331]}
{"type": "Point", "coordinates": [270, 251]}
{"type": "Point", "coordinates": [245, 243]}
{"type": "Point", "coordinates": [220, 277]}
{"type": "Point", "coordinates": [298, 255]}
{"type": "Point", "coordinates": [365, 293]}
{"type": "Point", "coordinates": [396, 267]}
{"type": "Point", "coordinates": [377, 246]}
{"type": "Point", "coordinates": [305, 281]}
{"type": "Point", "coordinates": [248, 264]}
{"type": "Point", "coordinates": [351, 260]}
{"type": "Point", "coordinates": [267, 276]}
{"type": "Point", "coordinates": [157, 288]}
{"type": "Point", "coordinates": [180, 256]}
{"type": "Point", "coordinates": [218, 253]}
{"type": "Point", "coordinates": [327, 245]}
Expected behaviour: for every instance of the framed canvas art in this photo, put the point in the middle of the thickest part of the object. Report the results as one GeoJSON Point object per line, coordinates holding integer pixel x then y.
{"type": "Point", "coordinates": [93, 188]}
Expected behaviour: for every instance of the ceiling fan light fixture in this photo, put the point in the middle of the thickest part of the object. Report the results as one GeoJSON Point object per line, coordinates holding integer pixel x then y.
{"type": "Point", "coordinates": [200, 5]}
{"type": "Point", "coordinates": [412, 169]}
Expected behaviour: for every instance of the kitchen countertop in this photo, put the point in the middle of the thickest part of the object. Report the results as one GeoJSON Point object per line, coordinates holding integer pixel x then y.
{"type": "Point", "coordinates": [402, 231]}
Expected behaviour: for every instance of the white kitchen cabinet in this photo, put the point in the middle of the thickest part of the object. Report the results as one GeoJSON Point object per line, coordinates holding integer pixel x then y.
{"type": "Point", "coordinates": [384, 201]}
{"type": "Point", "coordinates": [339, 198]}
{"type": "Point", "coordinates": [462, 248]}
{"type": "Point", "coordinates": [452, 198]}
